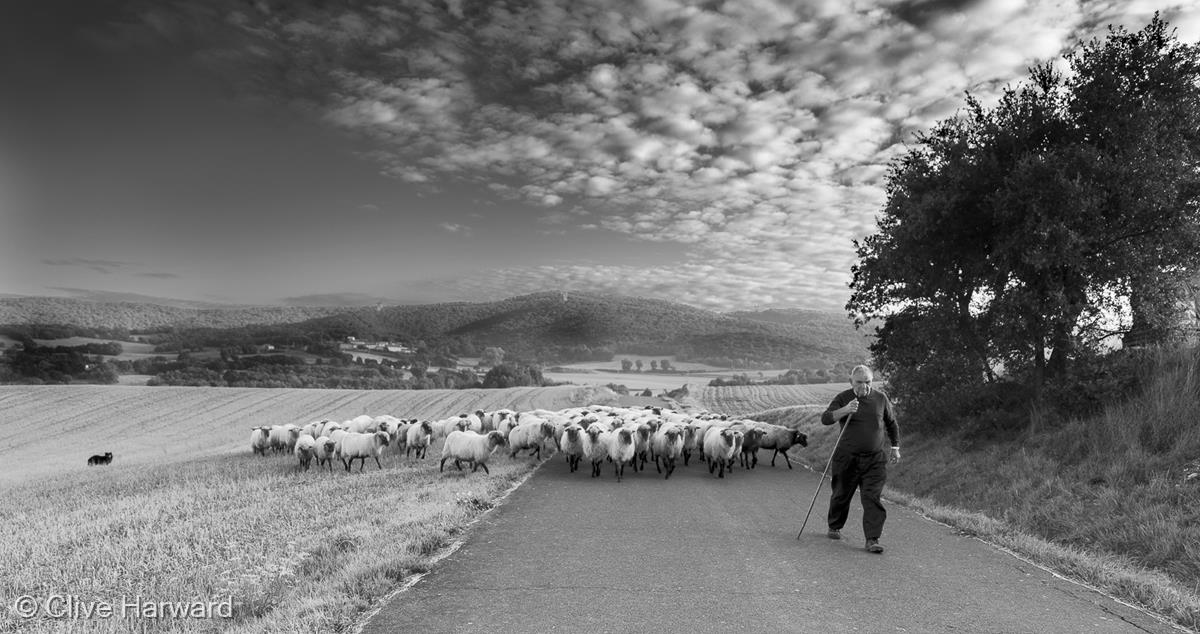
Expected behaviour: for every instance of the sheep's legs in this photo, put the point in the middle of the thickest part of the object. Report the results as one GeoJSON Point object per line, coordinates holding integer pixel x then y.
{"type": "Point", "coordinates": [785, 458]}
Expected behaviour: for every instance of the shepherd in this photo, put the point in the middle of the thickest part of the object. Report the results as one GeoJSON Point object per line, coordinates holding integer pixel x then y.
{"type": "Point", "coordinates": [860, 459]}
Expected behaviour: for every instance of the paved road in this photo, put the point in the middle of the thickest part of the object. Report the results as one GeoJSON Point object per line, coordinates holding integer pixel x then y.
{"type": "Point", "coordinates": [567, 553]}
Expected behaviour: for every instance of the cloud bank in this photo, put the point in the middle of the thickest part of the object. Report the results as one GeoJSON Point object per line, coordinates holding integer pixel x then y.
{"type": "Point", "coordinates": [758, 133]}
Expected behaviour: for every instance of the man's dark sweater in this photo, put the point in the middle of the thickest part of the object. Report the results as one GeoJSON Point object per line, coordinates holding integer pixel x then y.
{"type": "Point", "coordinates": [865, 431]}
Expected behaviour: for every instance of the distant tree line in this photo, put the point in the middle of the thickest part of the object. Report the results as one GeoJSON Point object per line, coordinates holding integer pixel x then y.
{"type": "Point", "coordinates": [34, 364]}
{"type": "Point", "coordinates": [803, 376]}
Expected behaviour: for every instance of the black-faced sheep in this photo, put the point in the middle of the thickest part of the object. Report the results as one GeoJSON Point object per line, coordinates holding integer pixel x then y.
{"type": "Point", "coordinates": [417, 439]}
{"type": "Point", "coordinates": [620, 449]}
{"type": "Point", "coordinates": [325, 450]}
{"type": "Point", "coordinates": [571, 444]}
{"type": "Point", "coordinates": [780, 439]}
{"type": "Point", "coordinates": [750, 445]}
{"type": "Point", "coordinates": [720, 446]}
{"type": "Point", "coordinates": [306, 448]}
{"type": "Point", "coordinates": [668, 447]}
{"type": "Point", "coordinates": [472, 447]}
{"type": "Point", "coordinates": [594, 447]}
{"type": "Point", "coordinates": [100, 460]}
{"type": "Point", "coordinates": [529, 435]}
{"type": "Point", "coordinates": [283, 437]}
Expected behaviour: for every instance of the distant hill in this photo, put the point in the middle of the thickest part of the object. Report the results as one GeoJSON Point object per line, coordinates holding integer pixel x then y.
{"type": "Point", "coordinates": [547, 325]}
{"type": "Point", "coordinates": [146, 315]}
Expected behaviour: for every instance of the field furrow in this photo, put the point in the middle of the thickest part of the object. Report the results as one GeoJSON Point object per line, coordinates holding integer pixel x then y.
{"type": "Point", "coordinates": [740, 400]}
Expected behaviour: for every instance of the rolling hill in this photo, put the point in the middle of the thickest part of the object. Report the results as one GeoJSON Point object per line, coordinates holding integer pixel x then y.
{"type": "Point", "coordinates": [545, 325]}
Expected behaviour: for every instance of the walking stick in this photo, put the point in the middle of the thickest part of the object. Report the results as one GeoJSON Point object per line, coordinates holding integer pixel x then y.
{"type": "Point", "coordinates": [845, 422]}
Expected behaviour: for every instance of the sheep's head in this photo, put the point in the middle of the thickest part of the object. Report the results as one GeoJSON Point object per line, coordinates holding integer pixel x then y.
{"type": "Point", "coordinates": [496, 439]}
{"type": "Point", "coordinates": [573, 433]}
{"type": "Point", "coordinates": [426, 427]}
{"type": "Point", "coordinates": [624, 436]}
{"type": "Point", "coordinates": [672, 435]}
{"type": "Point", "coordinates": [799, 438]}
{"type": "Point", "coordinates": [382, 438]}
{"type": "Point", "coordinates": [594, 432]}
{"type": "Point", "coordinates": [727, 436]}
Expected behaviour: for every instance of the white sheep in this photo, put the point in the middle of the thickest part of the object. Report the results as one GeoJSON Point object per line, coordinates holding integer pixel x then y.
{"type": "Point", "coordinates": [594, 447]}
{"type": "Point", "coordinates": [641, 442]}
{"type": "Point", "coordinates": [720, 446]}
{"type": "Point", "coordinates": [283, 437]}
{"type": "Point", "coordinates": [362, 424]}
{"type": "Point", "coordinates": [690, 444]}
{"type": "Point", "coordinates": [417, 439]}
{"type": "Point", "coordinates": [620, 449]}
{"type": "Point", "coordinates": [306, 448]}
{"type": "Point", "coordinates": [442, 428]}
{"type": "Point", "coordinates": [571, 444]}
{"type": "Point", "coordinates": [471, 446]}
{"type": "Point", "coordinates": [359, 446]}
{"type": "Point", "coordinates": [325, 450]}
{"type": "Point", "coordinates": [319, 428]}
{"type": "Point", "coordinates": [529, 435]}
{"type": "Point", "coordinates": [260, 440]}
{"type": "Point", "coordinates": [668, 447]}
{"type": "Point", "coordinates": [491, 420]}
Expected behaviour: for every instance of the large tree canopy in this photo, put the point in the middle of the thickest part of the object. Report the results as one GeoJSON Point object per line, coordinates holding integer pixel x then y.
{"type": "Point", "coordinates": [1016, 237]}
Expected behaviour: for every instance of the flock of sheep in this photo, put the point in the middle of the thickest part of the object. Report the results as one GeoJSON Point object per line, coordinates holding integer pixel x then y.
{"type": "Point", "coordinates": [598, 434]}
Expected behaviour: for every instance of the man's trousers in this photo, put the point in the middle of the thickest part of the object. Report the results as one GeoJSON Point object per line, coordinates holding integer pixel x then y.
{"type": "Point", "coordinates": [866, 472]}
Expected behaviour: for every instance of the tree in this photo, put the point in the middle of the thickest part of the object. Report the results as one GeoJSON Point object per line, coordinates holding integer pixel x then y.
{"type": "Point", "coordinates": [491, 356]}
{"type": "Point", "coordinates": [508, 375]}
{"type": "Point", "coordinates": [626, 365]}
{"type": "Point", "coordinates": [1014, 237]}
{"type": "Point", "coordinates": [665, 364]}
{"type": "Point", "coordinates": [654, 365]}
{"type": "Point", "coordinates": [638, 363]}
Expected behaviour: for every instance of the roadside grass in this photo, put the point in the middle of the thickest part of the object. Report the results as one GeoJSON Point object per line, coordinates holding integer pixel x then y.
{"type": "Point", "coordinates": [1115, 575]}
{"type": "Point", "coordinates": [294, 551]}
{"type": "Point", "coordinates": [1105, 500]}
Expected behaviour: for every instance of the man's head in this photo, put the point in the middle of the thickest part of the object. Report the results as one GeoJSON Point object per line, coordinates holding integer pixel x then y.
{"type": "Point", "coordinates": [860, 380]}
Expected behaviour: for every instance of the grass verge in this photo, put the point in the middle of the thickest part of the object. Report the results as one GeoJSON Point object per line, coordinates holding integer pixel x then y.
{"type": "Point", "coordinates": [211, 531]}
{"type": "Point", "coordinates": [1105, 519]}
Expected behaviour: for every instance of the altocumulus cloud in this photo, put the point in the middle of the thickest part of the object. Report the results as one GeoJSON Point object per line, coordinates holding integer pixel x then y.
{"type": "Point", "coordinates": [756, 132]}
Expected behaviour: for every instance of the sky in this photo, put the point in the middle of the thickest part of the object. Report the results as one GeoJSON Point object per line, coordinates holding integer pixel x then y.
{"type": "Point", "coordinates": [724, 155]}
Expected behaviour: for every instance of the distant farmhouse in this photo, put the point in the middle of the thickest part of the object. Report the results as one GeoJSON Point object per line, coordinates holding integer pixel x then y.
{"type": "Point", "coordinates": [379, 346]}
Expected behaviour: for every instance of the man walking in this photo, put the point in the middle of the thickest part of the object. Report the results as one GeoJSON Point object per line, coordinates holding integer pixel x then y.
{"type": "Point", "coordinates": [860, 459]}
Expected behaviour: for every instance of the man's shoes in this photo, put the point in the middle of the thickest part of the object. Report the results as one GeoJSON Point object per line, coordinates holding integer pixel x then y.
{"type": "Point", "coordinates": [873, 546]}
{"type": "Point", "coordinates": [834, 534]}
